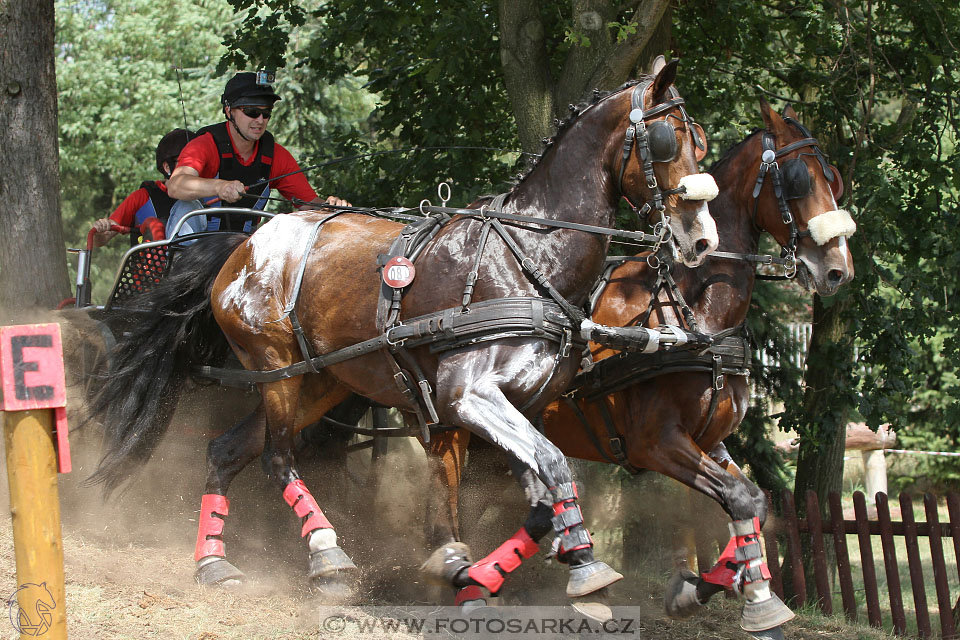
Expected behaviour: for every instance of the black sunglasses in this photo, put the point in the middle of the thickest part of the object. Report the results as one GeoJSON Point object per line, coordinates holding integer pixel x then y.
{"type": "Point", "coordinates": [255, 112]}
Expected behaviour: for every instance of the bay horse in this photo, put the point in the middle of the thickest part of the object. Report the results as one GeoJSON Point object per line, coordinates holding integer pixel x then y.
{"type": "Point", "coordinates": [672, 415]}
{"type": "Point", "coordinates": [308, 283]}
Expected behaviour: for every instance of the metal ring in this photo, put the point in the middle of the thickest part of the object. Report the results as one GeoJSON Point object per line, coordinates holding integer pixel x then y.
{"type": "Point", "coordinates": [653, 261]}
{"type": "Point", "coordinates": [424, 203]}
{"type": "Point", "coordinates": [790, 266]}
{"type": "Point", "coordinates": [440, 188]}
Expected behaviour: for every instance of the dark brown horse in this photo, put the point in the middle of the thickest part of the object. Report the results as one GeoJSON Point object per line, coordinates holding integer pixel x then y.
{"type": "Point", "coordinates": [308, 283]}
{"type": "Point", "coordinates": [668, 418]}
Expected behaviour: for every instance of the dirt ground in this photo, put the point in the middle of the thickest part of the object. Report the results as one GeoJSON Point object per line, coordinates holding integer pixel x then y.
{"type": "Point", "coordinates": [129, 561]}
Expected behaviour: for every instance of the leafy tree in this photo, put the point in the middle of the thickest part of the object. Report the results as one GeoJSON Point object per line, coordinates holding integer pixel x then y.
{"type": "Point", "coordinates": [439, 70]}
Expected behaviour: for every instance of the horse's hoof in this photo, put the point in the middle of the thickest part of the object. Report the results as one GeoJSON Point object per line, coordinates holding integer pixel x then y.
{"type": "Point", "coordinates": [765, 616]}
{"type": "Point", "coordinates": [594, 607]}
{"type": "Point", "coordinates": [333, 589]}
{"type": "Point", "coordinates": [680, 599]}
{"type": "Point", "coordinates": [770, 634]}
{"type": "Point", "coordinates": [329, 562]}
{"type": "Point", "coordinates": [590, 577]}
{"type": "Point", "coordinates": [218, 572]}
{"type": "Point", "coordinates": [445, 563]}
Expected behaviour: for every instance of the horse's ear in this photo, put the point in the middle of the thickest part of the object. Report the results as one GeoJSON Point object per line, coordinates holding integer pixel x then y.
{"type": "Point", "coordinates": [788, 112]}
{"type": "Point", "coordinates": [771, 118]}
{"type": "Point", "coordinates": [657, 65]}
{"type": "Point", "coordinates": [664, 79]}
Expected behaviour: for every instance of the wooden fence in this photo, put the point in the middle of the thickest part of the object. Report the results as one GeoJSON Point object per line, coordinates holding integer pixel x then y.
{"type": "Point", "coordinates": [834, 529]}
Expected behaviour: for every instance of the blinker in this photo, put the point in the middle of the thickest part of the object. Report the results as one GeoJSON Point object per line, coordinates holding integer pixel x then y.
{"type": "Point", "coordinates": [796, 179]}
{"type": "Point", "coordinates": [663, 141]}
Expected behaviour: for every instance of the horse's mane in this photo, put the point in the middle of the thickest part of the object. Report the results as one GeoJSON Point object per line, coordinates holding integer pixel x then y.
{"type": "Point", "coordinates": [563, 126]}
{"type": "Point", "coordinates": [732, 151]}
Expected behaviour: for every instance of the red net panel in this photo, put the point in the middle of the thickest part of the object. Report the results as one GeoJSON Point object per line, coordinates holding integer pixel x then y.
{"type": "Point", "coordinates": [142, 270]}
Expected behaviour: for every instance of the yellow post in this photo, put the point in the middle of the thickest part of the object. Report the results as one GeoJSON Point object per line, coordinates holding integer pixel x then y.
{"type": "Point", "coordinates": [35, 507]}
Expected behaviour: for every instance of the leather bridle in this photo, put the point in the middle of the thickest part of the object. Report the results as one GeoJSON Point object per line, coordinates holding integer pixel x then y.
{"type": "Point", "coordinates": [769, 165]}
{"type": "Point", "coordinates": [637, 133]}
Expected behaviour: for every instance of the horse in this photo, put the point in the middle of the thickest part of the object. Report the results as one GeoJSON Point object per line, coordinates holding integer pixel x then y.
{"type": "Point", "coordinates": [499, 288]}
{"type": "Point", "coordinates": [672, 414]}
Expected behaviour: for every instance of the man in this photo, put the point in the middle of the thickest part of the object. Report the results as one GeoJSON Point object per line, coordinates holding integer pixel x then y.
{"type": "Point", "coordinates": [227, 158]}
{"type": "Point", "coordinates": [147, 209]}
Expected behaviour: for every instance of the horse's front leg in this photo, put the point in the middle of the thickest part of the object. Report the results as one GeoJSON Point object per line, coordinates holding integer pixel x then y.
{"type": "Point", "coordinates": [327, 560]}
{"type": "Point", "coordinates": [469, 391]}
{"type": "Point", "coordinates": [740, 566]}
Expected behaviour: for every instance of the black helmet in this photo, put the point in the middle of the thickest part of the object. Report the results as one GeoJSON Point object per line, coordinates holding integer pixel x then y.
{"type": "Point", "coordinates": [249, 89]}
{"type": "Point", "coordinates": [170, 147]}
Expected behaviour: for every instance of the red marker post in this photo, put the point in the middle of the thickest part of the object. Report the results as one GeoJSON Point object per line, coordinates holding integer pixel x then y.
{"type": "Point", "coordinates": [35, 436]}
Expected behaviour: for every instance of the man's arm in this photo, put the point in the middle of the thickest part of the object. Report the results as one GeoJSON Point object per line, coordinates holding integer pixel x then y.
{"type": "Point", "coordinates": [123, 216]}
{"type": "Point", "coordinates": [186, 184]}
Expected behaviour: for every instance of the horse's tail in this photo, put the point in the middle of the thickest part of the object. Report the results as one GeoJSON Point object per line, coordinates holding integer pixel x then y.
{"type": "Point", "coordinates": [150, 363]}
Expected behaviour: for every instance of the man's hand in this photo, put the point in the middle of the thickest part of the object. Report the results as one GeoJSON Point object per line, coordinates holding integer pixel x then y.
{"type": "Point", "coordinates": [340, 202]}
{"type": "Point", "coordinates": [230, 190]}
{"type": "Point", "coordinates": [103, 233]}
{"type": "Point", "coordinates": [317, 203]}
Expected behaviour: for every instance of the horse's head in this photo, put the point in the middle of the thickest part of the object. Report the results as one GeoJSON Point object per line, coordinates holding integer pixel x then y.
{"type": "Point", "coordinates": [796, 201]}
{"type": "Point", "coordinates": [657, 163]}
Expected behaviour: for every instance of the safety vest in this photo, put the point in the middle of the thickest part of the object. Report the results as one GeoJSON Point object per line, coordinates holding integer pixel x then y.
{"type": "Point", "coordinates": [157, 206]}
{"type": "Point", "coordinates": [231, 169]}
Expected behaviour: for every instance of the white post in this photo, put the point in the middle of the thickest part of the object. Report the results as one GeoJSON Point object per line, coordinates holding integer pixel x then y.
{"type": "Point", "coordinates": [875, 467]}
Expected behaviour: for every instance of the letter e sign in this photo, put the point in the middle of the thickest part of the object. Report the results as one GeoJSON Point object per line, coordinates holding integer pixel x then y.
{"type": "Point", "coordinates": [31, 376]}
{"type": "Point", "coordinates": [31, 367]}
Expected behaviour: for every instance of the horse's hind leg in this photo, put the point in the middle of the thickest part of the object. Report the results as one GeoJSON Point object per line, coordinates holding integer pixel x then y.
{"type": "Point", "coordinates": [227, 455]}
{"type": "Point", "coordinates": [327, 559]}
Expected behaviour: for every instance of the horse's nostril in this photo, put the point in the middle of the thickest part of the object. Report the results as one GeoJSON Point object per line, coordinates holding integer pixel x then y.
{"type": "Point", "coordinates": [835, 276]}
{"type": "Point", "coordinates": [702, 246]}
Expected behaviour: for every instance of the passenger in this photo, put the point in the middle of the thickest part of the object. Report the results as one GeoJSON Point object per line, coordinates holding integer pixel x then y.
{"type": "Point", "coordinates": [228, 157]}
{"type": "Point", "coordinates": [147, 209]}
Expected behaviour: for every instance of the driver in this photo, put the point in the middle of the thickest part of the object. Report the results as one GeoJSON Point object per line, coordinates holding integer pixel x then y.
{"type": "Point", "coordinates": [226, 158]}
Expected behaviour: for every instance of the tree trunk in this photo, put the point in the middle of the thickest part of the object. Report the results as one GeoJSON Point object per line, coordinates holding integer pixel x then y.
{"type": "Point", "coordinates": [823, 436]}
{"type": "Point", "coordinates": [604, 63]}
{"type": "Point", "coordinates": [33, 265]}
{"type": "Point", "coordinates": [526, 70]}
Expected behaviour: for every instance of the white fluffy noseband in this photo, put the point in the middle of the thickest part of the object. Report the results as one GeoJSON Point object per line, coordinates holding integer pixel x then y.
{"type": "Point", "coordinates": [827, 226]}
{"type": "Point", "coordinates": [698, 186]}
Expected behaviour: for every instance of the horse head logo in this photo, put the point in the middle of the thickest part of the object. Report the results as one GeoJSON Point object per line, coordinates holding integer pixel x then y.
{"type": "Point", "coordinates": [36, 615]}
